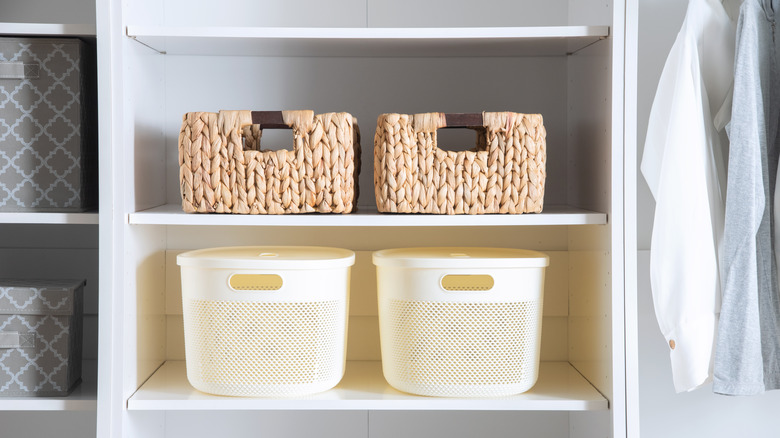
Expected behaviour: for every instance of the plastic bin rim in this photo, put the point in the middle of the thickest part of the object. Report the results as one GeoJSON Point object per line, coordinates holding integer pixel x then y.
{"type": "Point", "coordinates": [253, 257]}
{"type": "Point", "coordinates": [460, 257]}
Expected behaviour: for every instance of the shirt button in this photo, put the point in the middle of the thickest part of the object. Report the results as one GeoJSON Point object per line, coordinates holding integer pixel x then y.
{"type": "Point", "coordinates": [671, 344]}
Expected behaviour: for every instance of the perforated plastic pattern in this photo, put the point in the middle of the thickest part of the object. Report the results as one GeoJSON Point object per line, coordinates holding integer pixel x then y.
{"type": "Point", "coordinates": [264, 349]}
{"type": "Point", "coordinates": [460, 349]}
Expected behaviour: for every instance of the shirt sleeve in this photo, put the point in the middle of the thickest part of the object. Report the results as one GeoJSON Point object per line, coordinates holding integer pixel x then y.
{"type": "Point", "coordinates": [679, 168]}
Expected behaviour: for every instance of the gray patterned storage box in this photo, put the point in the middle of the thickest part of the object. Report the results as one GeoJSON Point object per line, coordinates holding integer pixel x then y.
{"type": "Point", "coordinates": [40, 336]}
{"type": "Point", "coordinates": [48, 148]}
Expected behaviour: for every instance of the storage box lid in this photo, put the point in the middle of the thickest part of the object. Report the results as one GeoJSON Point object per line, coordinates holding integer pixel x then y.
{"type": "Point", "coordinates": [268, 257]}
{"type": "Point", "coordinates": [38, 297]}
{"type": "Point", "coordinates": [459, 257]}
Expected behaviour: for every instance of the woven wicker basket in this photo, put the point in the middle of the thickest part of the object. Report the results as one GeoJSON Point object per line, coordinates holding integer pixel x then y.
{"type": "Point", "coordinates": [223, 170]}
{"type": "Point", "coordinates": [504, 174]}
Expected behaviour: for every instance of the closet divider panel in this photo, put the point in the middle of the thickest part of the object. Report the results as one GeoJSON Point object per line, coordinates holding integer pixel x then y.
{"type": "Point", "coordinates": [590, 322]}
{"type": "Point", "coordinates": [590, 186]}
{"type": "Point", "coordinates": [140, 181]}
{"type": "Point", "coordinates": [143, 186]}
{"type": "Point", "coordinates": [145, 156]}
{"type": "Point", "coordinates": [593, 325]}
{"type": "Point", "coordinates": [597, 101]}
{"type": "Point", "coordinates": [144, 301]}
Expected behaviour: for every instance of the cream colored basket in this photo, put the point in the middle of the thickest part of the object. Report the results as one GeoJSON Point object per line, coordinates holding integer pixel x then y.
{"type": "Point", "coordinates": [265, 321]}
{"type": "Point", "coordinates": [460, 322]}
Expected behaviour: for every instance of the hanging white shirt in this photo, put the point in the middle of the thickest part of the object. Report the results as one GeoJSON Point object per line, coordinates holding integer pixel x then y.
{"type": "Point", "coordinates": [684, 165]}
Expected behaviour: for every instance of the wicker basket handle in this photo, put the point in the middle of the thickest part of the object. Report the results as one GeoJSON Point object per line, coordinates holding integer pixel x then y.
{"type": "Point", "coordinates": [254, 122]}
{"type": "Point", "coordinates": [463, 120]}
{"type": "Point", "coordinates": [269, 120]}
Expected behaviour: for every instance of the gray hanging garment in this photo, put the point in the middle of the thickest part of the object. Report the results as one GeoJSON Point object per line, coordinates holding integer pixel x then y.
{"type": "Point", "coordinates": [748, 342]}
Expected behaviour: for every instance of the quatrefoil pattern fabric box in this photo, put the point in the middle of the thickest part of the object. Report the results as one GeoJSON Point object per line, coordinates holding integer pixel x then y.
{"type": "Point", "coordinates": [48, 149]}
{"type": "Point", "coordinates": [40, 336]}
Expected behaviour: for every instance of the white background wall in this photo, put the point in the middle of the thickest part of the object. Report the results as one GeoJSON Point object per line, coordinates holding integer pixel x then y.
{"type": "Point", "coordinates": [662, 412]}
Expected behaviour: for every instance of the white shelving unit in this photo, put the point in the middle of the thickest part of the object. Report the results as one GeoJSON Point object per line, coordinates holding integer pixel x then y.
{"type": "Point", "coordinates": [559, 388]}
{"type": "Point", "coordinates": [561, 58]}
{"type": "Point", "coordinates": [48, 238]}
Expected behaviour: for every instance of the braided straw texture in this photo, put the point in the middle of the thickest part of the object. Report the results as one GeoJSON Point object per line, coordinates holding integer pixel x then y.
{"type": "Point", "coordinates": [218, 173]}
{"type": "Point", "coordinates": [505, 174]}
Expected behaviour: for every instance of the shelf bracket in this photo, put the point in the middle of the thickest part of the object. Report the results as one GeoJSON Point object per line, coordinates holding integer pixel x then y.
{"type": "Point", "coordinates": [135, 38]}
{"type": "Point", "coordinates": [599, 39]}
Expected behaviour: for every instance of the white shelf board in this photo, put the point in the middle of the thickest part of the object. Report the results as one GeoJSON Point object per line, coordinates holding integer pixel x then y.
{"type": "Point", "coordinates": [171, 214]}
{"type": "Point", "coordinates": [559, 388]}
{"type": "Point", "coordinates": [82, 398]}
{"type": "Point", "coordinates": [440, 42]}
{"type": "Point", "coordinates": [49, 218]}
{"type": "Point", "coordinates": [47, 29]}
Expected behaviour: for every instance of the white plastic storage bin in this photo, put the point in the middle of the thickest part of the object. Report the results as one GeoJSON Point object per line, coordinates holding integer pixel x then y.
{"type": "Point", "coordinates": [460, 322]}
{"type": "Point", "coordinates": [265, 321]}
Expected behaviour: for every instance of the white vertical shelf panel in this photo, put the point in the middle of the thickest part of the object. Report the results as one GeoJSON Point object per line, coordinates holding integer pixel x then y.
{"type": "Point", "coordinates": [281, 41]}
{"type": "Point", "coordinates": [559, 388]}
